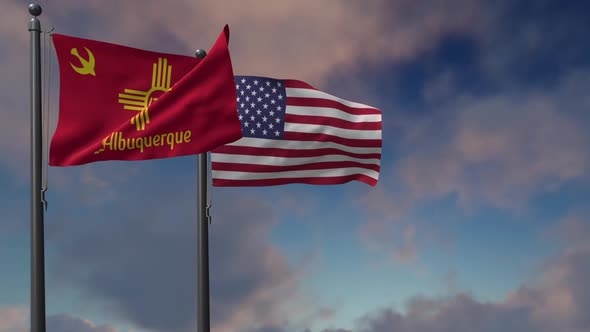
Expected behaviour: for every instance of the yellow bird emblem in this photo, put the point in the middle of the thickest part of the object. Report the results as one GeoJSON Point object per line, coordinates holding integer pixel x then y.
{"type": "Point", "coordinates": [87, 65]}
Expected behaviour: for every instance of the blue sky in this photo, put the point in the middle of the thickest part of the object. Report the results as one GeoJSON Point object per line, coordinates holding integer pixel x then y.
{"type": "Point", "coordinates": [479, 217]}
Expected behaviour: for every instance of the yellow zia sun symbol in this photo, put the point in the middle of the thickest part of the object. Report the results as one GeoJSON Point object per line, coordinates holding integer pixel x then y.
{"type": "Point", "coordinates": [140, 101]}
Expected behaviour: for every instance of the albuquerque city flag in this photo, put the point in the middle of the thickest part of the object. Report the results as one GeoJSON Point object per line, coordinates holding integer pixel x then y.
{"type": "Point", "coordinates": [122, 103]}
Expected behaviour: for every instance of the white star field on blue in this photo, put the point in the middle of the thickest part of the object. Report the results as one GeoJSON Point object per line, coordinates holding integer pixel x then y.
{"type": "Point", "coordinates": [261, 106]}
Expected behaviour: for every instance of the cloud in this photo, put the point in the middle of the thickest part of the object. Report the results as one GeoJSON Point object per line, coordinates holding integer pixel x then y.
{"type": "Point", "coordinates": [560, 295]}
{"type": "Point", "coordinates": [96, 184]}
{"type": "Point", "coordinates": [556, 298]}
{"type": "Point", "coordinates": [67, 323]}
{"type": "Point", "coordinates": [134, 257]}
{"type": "Point", "coordinates": [499, 150]}
{"type": "Point", "coordinates": [16, 319]}
{"type": "Point", "coordinates": [391, 230]}
{"type": "Point", "coordinates": [13, 319]}
{"type": "Point", "coordinates": [268, 35]}
{"type": "Point", "coordinates": [457, 314]}
{"type": "Point", "coordinates": [254, 278]}
{"type": "Point", "coordinates": [287, 40]}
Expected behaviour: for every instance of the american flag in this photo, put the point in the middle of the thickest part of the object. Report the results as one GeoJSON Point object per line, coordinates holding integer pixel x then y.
{"type": "Point", "coordinates": [294, 133]}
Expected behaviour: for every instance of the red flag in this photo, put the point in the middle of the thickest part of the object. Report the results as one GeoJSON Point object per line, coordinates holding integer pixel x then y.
{"type": "Point", "coordinates": [122, 103]}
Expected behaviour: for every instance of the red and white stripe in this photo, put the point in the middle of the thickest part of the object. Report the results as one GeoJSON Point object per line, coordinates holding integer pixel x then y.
{"type": "Point", "coordinates": [327, 140]}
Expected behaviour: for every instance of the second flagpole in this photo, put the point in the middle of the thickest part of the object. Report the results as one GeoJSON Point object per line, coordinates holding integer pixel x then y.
{"type": "Point", "coordinates": [203, 324]}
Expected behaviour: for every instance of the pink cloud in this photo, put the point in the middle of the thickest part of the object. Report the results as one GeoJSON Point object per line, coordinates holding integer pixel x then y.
{"type": "Point", "coordinates": [16, 319]}
{"type": "Point", "coordinates": [499, 150]}
{"type": "Point", "coordinates": [313, 40]}
{"type": "Point", "coordinates": [290, 39]}
{"type": "Point", "coordinates": [13, 319]}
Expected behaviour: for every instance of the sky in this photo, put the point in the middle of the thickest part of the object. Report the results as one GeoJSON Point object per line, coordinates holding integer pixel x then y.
{"type": "Point", "coordinates": [478, 223]}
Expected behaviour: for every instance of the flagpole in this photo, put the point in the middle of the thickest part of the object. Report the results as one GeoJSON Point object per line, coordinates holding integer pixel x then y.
{"type": "Point", "coordinates": [37, 232]}
{"type": "Point", "coordinates": [203, 237]}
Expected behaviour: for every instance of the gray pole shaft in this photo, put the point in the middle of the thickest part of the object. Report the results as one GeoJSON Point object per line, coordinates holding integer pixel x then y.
{"type": "Point", "coordinates": [203, 238]}
{"type": "Point", "coordinates": [203, 317]}
{"type": "Point", "coordinates": [37, 233]}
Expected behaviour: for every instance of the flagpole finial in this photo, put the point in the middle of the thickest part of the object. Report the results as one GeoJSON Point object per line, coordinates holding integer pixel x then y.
{"type": "Point", "coordinates": [35, 9]}
{"type": "Point", "coordinates": [200, 53]}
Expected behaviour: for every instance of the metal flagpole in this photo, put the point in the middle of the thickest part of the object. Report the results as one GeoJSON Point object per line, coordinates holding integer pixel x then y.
{"type": "Point", "coordinates": [37, 233]}
{"type": "Point", "coordinates": [203, 237]}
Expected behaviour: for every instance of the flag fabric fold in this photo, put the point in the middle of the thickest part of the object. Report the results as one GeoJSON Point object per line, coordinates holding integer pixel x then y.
{"type": "Point", "coordinates": [123, 103]}
{"type": "Point", "coordinates": [295, 133]}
